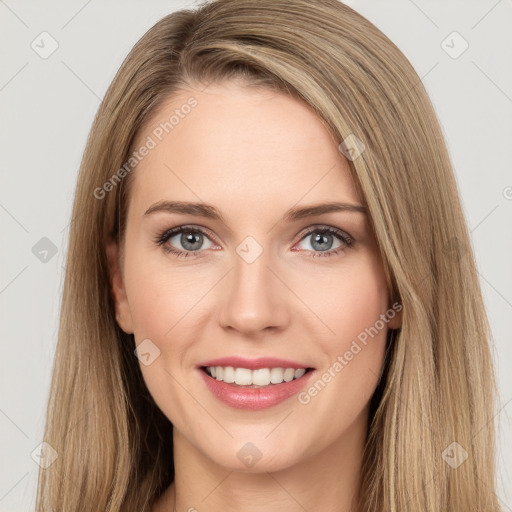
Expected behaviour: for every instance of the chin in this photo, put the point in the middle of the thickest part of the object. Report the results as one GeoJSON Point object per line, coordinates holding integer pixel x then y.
{"type": "Point", "coordinates": [257, 456]}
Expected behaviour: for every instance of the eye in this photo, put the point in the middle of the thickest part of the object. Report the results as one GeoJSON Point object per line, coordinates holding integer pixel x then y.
{"type": "Point", "coordinates": [192, 240]}
{"type": "Point", "coordinates": [323, 239]}
{"type": "Point", "coordinates": [189, 238]}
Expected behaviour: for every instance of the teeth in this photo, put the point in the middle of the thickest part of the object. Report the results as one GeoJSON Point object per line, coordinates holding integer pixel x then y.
{"type": "Point", "coordinates": [276, 375]}
{"type": "Point", "coordinates": [289, 374]}
{"type": "Point", "coordinates": [299, 373]}
{"type": "Point", "coordinates": [243, 376]}
{"type": "Point", "coordinates": [259, 377]}
{"type": "Point", "coordinates": [229, 374]}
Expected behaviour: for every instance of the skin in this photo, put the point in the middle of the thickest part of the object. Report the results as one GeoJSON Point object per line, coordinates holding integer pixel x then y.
{"type": "Point", "coordinates": [253, 154]}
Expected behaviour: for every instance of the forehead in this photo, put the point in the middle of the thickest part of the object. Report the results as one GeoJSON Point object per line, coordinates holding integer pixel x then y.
{"type": "Point", "coordinates": [238, 145]}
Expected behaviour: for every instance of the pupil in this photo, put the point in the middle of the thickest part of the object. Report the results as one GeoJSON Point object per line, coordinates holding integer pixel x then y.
{"type": "Point", "coordinates": [187, 240]}
{"type": "Point", "coordinates": [321, 240]}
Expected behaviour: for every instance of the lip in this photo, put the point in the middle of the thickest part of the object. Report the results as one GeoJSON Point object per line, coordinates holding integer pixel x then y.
{"type": "Point", "coordinates": [253, 364]}
{"type": "Point", "coordinates": [255, 399]}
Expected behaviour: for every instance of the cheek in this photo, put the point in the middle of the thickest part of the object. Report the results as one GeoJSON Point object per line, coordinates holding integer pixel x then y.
{"type": "Point", "coordinates": [350, 300]}
{"type": "Point", "coordinates": [166, 304]}
{"type": "Point", "coordinates": [158, 296]}
{"type": "Point", "coordinates": [351, 304]}
{"type": "Point", "coordinates": [158, 311]}
{"type": "Point", "coordinates": [150, 299]}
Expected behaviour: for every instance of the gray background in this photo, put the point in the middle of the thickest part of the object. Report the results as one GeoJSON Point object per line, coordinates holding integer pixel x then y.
{"type": "Point", "coordinates": [48, 105]}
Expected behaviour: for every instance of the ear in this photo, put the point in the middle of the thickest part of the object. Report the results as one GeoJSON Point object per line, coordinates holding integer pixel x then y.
{"type": "Point", "coordinates": [117, 288]}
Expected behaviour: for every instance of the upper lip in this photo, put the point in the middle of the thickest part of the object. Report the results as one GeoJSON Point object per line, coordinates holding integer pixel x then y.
{"type": "Point", "coordinates": [253, 364]}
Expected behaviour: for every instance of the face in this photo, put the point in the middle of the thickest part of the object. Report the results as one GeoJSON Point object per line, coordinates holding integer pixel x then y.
{"type": "Point", "coordinates": [254, 281]}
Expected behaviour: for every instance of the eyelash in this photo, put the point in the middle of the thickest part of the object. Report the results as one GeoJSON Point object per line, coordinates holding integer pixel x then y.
{"type": "Point", "coordinates": [163, 237]}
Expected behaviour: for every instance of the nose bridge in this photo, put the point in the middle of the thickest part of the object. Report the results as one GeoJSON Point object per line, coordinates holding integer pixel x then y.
{"type": "Point", "coordinates": [253, 298]}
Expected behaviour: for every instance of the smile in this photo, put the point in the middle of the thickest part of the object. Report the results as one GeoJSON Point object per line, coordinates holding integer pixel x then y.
{"type": "Point", "coordinates": [254, 384]}
{"type": "Point", "coordinates": [256, 378]}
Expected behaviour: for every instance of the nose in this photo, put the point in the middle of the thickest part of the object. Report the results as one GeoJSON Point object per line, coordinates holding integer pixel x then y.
{"type": "Point", "coordinates": [253, 299]}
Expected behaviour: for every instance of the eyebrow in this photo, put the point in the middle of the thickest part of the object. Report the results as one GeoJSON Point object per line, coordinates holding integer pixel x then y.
{"type": "Point", "coordinates": [210, 212]}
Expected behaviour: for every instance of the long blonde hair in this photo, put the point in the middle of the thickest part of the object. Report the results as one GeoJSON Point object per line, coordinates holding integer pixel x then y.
{"type": "Point", "coordinates": [114, 445]}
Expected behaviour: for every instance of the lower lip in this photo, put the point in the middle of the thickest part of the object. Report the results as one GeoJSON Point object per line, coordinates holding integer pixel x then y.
{"type": "Point", "coordinates": [243, 397]}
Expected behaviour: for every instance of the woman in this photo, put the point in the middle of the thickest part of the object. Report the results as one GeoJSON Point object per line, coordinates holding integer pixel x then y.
{"type": "Point", "coordinates": [271, 301]}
